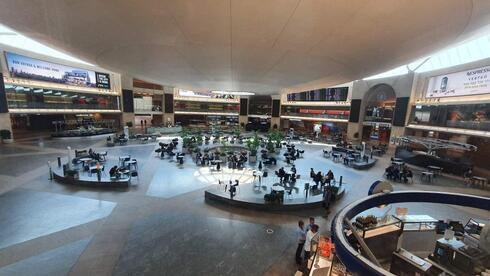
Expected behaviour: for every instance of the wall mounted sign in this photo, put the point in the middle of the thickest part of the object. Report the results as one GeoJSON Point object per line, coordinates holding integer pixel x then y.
{"type": "Point", "coordinates": [464, 83]}
{"type": "Point", "coordinates": [334, 94]}
{"type": "Point", "coordinates": [20, 66]}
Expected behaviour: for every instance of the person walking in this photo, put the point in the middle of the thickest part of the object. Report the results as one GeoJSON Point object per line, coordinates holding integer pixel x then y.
{"type": "Point", "coordinates": [301, 237]}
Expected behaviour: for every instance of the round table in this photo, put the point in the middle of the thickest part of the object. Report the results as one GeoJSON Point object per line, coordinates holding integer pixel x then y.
{"type": "Point", "coordinates": [85, 160]}
{"type": "Point", "coordinates": [288, 172]}
{"type": "Point", "coordinates": [278, 188]}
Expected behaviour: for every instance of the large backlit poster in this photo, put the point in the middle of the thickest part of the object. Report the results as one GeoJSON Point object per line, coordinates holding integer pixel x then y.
{"type": "Point", "coordinates": [20, 66]}
{"type": "Point", "coordinates": [465, 83]}
{"type": "Point", "coordinates": [102, 80]}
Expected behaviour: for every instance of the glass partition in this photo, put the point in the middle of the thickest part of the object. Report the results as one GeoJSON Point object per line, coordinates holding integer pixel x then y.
{"type": "Point", "coordinates": [469, 116]}
{"type": "Point", "coordinates": [207, 107]}
{"type": "Point", "coordinates": [316, 112]}
{"type": "Point", "coordinates": [43, 98]}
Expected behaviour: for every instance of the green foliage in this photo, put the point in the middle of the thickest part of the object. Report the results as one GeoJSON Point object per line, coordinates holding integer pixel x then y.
{"type": "Point", "coordinates": [129, 124]}
{"type": "Point", "coordinates": [225, 146]}
{"type": "Point", "coordinates": [276, 137]}
{"type": "Point", "coordinates": [253, 144]}
{"type": "Point", "coordinates": [270, 147]}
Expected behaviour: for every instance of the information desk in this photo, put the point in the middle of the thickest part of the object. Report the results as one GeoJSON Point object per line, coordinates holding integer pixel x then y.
{"type": "Point", "coordinates": [382, 238]}
{"type": "Point", "coordinates": [406, 263]}
{"type": "Point", "coordinates": [419, 234]}
{"type": "Point", "coordinates": [460, 258]}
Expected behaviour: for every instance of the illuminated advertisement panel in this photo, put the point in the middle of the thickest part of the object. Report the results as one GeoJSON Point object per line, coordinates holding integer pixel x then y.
{"type": "Point", "coordinates": [464, 83]}
{"type": "Point", "coordinates": [20, 66]}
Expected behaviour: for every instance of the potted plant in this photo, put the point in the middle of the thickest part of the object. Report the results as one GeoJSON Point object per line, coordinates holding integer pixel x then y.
{"type": "Point", "coordinates": [6, 136]}
{"type": "Point", "coordinates": [270, 147]}
{"type": "Point", "coordinates": [252, 146]}
{"type": "Point", "coordinates": [276, 137]}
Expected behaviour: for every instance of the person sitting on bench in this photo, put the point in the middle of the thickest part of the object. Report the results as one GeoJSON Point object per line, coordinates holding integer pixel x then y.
{"type": "Point", "coordinates": [113, 171]}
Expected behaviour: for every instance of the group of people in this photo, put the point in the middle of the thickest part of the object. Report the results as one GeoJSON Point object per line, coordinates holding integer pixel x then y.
{"type": "Point", "coordinates": [94, 155]}
{"type": "Point", "coordinates": [167, 148]}
{"type": "Point", "coordinates": [116, 172]}
{"type": "Point", "coordinates": [286, 177]}
{"type": "Point", "coordinates": [205, 159]}
{"type": "Point", "coordinates": [237, 160]}
{"type": "Point", "coordinates": [306, 237]}
{"type": "Point", "coordinates": [394, 173]}
{"type": "Point", "coordinates": [320, 179]}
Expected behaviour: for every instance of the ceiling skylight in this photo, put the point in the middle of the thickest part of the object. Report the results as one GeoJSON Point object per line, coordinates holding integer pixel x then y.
{"type": "Point", "coordinates": [14, 39]}
{"type": "Point", "coordinates": [465, 52]}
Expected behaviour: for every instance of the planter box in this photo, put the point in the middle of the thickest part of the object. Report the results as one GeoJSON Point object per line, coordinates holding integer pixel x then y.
{"type": "Point", "coordinates": [8, 141]}
{"type": "Point", "coordinates": [252, 158]}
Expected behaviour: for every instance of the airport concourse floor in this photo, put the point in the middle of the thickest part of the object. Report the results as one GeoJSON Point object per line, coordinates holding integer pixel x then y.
{"type": "Point", "coordinates": [161, 225]}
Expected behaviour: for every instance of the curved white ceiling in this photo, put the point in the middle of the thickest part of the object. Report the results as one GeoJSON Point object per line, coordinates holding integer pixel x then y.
{"type": "Point", "coordinates": [247, 45]}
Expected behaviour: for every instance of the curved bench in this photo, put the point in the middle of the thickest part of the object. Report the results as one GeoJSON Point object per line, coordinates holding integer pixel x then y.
{"type": "Point", "coordinates": [104, 183]}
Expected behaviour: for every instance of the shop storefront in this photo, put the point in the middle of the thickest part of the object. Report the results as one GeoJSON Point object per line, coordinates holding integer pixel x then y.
{"type": "Point", "coordinates": [378, 114]}
{"type": "Point", "coordinates": [376, 132]}
{"type": "Point", "coordinates": [46, 96]}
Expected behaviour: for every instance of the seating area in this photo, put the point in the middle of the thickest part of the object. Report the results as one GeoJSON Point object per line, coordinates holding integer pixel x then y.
{"type": "Point", "coordinates": [399, 172]}
{"type": "Point", "coordinates": [350, 156]}
{"type": "Point", "coordinates": [89, 168]}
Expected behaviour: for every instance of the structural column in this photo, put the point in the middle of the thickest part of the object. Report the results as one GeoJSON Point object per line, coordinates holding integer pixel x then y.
{"type": "Point", "coordinates": [243, 116]}
{"type": "Point", "coordinates": [276, 112]}
{"type": "Point", "coordinates": [5, 122]}
{"type": "Point", "coordinates": [168, 106]}
{"type": "Point", "coordinates": [127, 100]}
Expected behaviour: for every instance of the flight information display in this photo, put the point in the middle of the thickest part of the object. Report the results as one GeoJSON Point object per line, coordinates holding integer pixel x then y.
{"type": "Point", "coordinates": [334, 94]}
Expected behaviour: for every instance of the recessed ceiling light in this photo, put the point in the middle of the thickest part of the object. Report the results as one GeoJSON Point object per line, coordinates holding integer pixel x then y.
{"type": "Point", "coordinates": [48, 92]}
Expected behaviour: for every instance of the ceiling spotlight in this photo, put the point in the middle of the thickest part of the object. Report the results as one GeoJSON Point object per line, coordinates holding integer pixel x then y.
{"type": "Point", "coordinates": [38, 91]}
{"type": "Point", "coordinates": [48, 92]}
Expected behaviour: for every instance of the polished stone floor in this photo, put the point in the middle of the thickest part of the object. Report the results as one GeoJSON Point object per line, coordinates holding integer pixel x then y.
{"type": "Point", "coordinates": [161, 225]}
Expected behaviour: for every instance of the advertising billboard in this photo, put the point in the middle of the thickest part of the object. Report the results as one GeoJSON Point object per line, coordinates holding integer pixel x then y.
{"type": "Point", "coordinates": [102, 80]}
{"type": "Point", "coordinates": [464, 83]}
{"type": "Point", "coordinates": [20, 66]}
